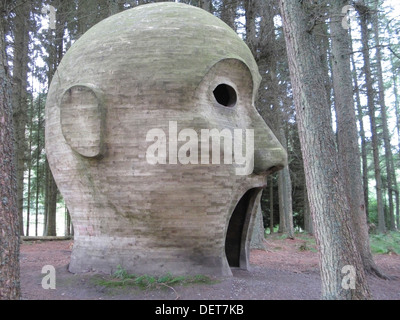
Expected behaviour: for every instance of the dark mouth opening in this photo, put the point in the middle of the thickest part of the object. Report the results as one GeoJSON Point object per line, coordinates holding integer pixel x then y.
{"type": "Point", "coordinates": [238, 232]}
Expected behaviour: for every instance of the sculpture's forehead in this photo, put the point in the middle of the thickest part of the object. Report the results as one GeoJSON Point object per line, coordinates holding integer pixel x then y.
{"type": "Point", "coordinates": [169, 43]}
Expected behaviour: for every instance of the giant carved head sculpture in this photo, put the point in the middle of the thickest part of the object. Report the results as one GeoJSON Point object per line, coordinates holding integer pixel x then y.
{"type": "Point", "coordinates": [150, 131]}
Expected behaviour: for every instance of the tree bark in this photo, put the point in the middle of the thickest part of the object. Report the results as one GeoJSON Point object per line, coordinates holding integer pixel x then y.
{"type": "Point", "coordinates": [271, 205]}
{"type": "Point", "coordinates": [67, 222]}
{"type": "Point", "coordinates": [28, 200]}
{"type": "Point", "coordinates": [308, 226]}
{"type": "Point", "coordinates": [250, 15]}
{"type": "Point", "coordinates": [38, 152]}
{"type": "Point", "coordinates": [51, 224]}
{"type": "Point", "coordinates": [328, 204]}
{"type": "Point", "coordinates": [89, 13]}
{"type": "Point", "coordinates": [349, 154]}
{"type": "Point", "coordinates": [285, 203]}
{"type": "Point", "coordinates": [322, 38]}
{"type": "Point", "coordinates": [282, 215]}
{"type": "Point", "coordinates": [19, 95]}
{"type": "Point", "coordinates": [9, 218]}
{"type": "Point", "coordinates": [286, 195]}
{"type": "Point", "coordinates": [46, 196]}
{"type": "Point", "coordinates": [114, 7]}
{"type": "Point", "coordinates": [228, 12]}
{"type": "Point", "coordinates": [206, 5]}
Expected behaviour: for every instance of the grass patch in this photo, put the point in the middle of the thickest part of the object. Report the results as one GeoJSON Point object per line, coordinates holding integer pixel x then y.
{"type": "Point", "coordinates": [309, 243]}
{"type": "Point", "coordinates": [388, 243]}
{"type": "Point", "coordinates": [385, 243]}
{"type": "Point", "coordinates": [122, 279]}
{"type": "Point", "coordinates": [283, 236]}
{"type": "Point", "coordinates": [308, 246]}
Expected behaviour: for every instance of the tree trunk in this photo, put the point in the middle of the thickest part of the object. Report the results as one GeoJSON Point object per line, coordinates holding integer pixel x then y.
{"type": "Point", "coordinates": [67, 222]}
{"type": "Point", "coordinates": [285, 203]}
{"type": "Point", "coordinates": [360, 115]}
{"type": "Point", "coordinates": [250, 11]}
{"type": "Point", "coordinates": [322, 38]}
{"type": "Point", "coordinates": [228, 12]}
{"type": "Point", "coordinates": [51, 206]}
{"type": "Point", "coordinates": [397, 111]}
{"type": "Point", "coordinates": [38, 152]}
{"type": "Point", "coordinates": [206, 5]}
{"type": "Point", "coordinates": [114, 7]}
{"type": "Point", "coordinates": [271, 205]}
{"type": "Point", "coordinates": [371, 109]}
{"type": "Point", "coordinates": [349, 154]}
{"type": "Point", "coordinates": [87, 15]}
{"type": "Point", "coordinates": [269, 102]}
{"type": "Point", "coordinates": [46, 196]}
{"type": "Point", "coordinates": [282, 215]}
{"type": "Point", "coordinates": [286, 194]}
{"type": "Point", "coordinates": [9, 219]}
{"type": "Point", "coordinates": [328, 204]}
{"type": "Point", "coordinates": [391, 178]}
{"type": "Point", "coordinates": [28, 200]}
{"type": "Point", "coordinates": [308, 225]}
{"type": "Point", "coordinates": [19, 95]}
{"type": "Point", "coordinates": [54, 60]}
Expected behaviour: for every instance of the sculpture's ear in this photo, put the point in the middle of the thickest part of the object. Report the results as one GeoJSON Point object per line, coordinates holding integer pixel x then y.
{"type": "Point", "coordinates": [82, 119]}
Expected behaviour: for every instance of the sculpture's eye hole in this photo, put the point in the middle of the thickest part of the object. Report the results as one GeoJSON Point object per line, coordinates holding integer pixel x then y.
{"type": "Point", "coordinates": [225, 95]}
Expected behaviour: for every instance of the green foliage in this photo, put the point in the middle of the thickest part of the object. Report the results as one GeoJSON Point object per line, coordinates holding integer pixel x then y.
{"type": "Point", "coordinates": [306, 247]}
{"type": "Point", "coordinates": [283, 236]}
{"type": "Point", "coordinates": [385, 243]}
{"type": "Point", "coordinates": [121, 278]}
{"type": "Point", "coordinates": [120, 273]}
{"type": "Point", "coordinates": [373, 210]}
{"type": "Point", "coordinates": [268, 231]}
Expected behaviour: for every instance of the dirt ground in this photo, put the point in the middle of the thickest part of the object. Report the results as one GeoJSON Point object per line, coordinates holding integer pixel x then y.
{"type": "Point", "coordinates": [287, 270]}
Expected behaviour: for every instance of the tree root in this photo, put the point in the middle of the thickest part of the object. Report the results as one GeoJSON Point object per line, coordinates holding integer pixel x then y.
{"type": "Point", "coordinates": [176, 293]}
{"type": "Point", "coordinates": [375, 271]}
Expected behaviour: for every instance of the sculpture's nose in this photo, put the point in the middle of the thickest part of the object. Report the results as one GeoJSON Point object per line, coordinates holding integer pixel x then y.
{"type": "Point", "coordinates": [269, 154]}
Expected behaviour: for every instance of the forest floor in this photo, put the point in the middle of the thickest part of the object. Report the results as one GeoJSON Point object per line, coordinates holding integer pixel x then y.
{"type": "Point", "coordinates": [286, 270]}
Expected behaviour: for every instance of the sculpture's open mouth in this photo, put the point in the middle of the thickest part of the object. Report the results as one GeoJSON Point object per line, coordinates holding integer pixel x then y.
{"type": "Point", "coordinates": [238, 232]}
